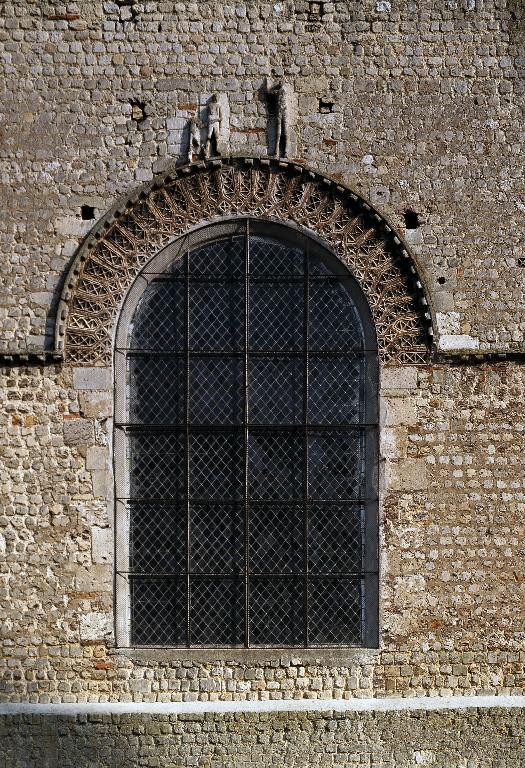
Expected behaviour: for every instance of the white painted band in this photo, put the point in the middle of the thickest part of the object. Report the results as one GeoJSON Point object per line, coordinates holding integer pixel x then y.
{"type": "Point", "coordinates": [280, 705]}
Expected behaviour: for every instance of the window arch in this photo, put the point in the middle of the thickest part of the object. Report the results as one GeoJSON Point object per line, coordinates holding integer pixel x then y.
{"type": "Point", "coordinates": [246, 445]}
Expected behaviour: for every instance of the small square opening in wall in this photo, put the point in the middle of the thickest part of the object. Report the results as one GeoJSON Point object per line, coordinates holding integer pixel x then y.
{"type": "Point", "coordinates": [87, 212]}
{"type": "Point", "coordinates": [411, 219]}
{"type": "Point", "coordinates": [325, 106]}
{"type": "Point", "coordinates": [138, 110]}
{"type": "Point", "coordinates": [315, 11]}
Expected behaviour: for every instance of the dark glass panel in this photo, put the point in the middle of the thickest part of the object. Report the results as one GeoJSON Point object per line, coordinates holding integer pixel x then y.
{"type": "Point", "coordinates": [335, 538]}
{"type": "Point", "coordinates": [157, 465]}
{"type": "Point", "coordinates": [217, 538]}
{"type": "Point", "coordinates": [158, 615]}
{"type": "Point", "coordinates": [216, 466]}
{"type": "Point", "coordinates": [276, 316]}
{"type": "Point", "coordinates": [335, 465]}
{"type": "Point", "coordinates": [275, 466]}
{"type": "Point", "coordinates": [217, 611]}
{"type": "Point", "coordinates": [276, 538]}
{"type": "Point", "coordinates": [216, 312]}
{"type": "Point", "coordinates": [334, 611]}
{"type": "Point", "coordinates": [270, 257]}
{"type": "Point", "coordinates": [158, 538]}
{"type": "Point", "coordinates": [333, 323]}
{"type": "Point", "coordinates": [216, 392]}
{"type": "Point", "coordinates": [158, 389]}
{"type": "Point", "coordinates": [335, 390]}
{"type": "Point", "coordinates": [223, 257]}
{"type": "Point", "coordinates": [276, 390]}
{"type": "Point", "coordinates": [159, 321]}
{"type": "Point", "coordinates": [276, 611]}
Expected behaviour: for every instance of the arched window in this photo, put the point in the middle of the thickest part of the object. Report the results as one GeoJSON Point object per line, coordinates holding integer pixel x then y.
{"type": "Point", "coordinates": [246, 445]}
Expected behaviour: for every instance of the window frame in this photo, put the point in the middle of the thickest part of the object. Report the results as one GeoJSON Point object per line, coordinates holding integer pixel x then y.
{"type": "Point", "coordinates": [289, 234]}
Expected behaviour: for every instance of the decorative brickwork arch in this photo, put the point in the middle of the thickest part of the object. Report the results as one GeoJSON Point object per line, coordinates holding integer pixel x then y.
{"type": "Point", "coordinates": [130, 235]}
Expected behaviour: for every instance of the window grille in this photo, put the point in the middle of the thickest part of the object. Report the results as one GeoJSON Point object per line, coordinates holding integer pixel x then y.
{"type": "Point", "coordinates": [249, 428]}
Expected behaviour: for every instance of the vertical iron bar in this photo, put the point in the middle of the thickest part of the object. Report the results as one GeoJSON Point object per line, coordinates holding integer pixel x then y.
{"type": "Point", "coordinates": [187, 439]}
{"type": "Point", "coordinates": [306, 310]}
{"type": "Point", "coordinates": [246, 436]}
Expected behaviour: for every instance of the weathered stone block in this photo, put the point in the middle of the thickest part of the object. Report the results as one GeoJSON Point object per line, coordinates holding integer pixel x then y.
{"type": "Point", "coordinates": [79, 432]}
{"type": "Point", "coordinates": [102, 483]}
{"type": "Point", "coordinates": [95, 578]}
{"type": "Point", "coordinates": [407, 475]}
{"type": "Point", "coordinates": [97, 457]}
{"type": "Point", "coordinates": [449, 342]}
{"type": "Point", "coordinates": [398, 412]}
{"type": "Point", "coordinates": [92, 378]}
{"type": "Point", "coordinates": [95, 625]}
{"type": "Point", "coordinates": [101, 545]}
{"type": "Point", "coordinates": [401, 378]}
{"type": "Point", "coordinates": [96, 404]}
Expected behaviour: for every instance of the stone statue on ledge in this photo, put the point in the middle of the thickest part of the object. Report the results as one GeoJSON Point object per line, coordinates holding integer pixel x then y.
{"type": "Point", "coordinates": [284, 107]}
{"type": "Point", "coordinates": [215, 116]}
{"type": "Point", "coordinates": [194, 146]}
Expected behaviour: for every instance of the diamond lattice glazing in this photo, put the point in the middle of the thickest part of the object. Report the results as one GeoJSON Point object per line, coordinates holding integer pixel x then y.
{"type": "Point", "coordinates": [246, 447]}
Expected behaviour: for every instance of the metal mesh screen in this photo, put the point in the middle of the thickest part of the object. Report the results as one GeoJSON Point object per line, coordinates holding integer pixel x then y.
{"type": "Point", "coordinates": [250, 450]}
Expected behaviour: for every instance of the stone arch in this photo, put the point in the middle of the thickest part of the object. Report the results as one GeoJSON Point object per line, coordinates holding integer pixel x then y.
{"type": "Point", "coordinates": [133, 232]}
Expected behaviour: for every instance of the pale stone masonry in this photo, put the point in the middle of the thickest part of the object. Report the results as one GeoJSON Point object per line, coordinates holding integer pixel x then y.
{"type": "Point", "coordinates": [418, 108]}
{"type": "Point", "coordinates": [451, 597]}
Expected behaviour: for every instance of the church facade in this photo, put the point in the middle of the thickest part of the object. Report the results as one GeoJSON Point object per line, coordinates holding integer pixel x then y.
{"type": "Point", "coordinates": [262, 343]}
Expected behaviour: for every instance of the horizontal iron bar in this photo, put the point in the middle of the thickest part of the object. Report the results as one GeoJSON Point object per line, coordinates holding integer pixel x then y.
{"type": "Point", "coordinates": [253, 502]}
{"type": "Point", "coordinates": [343, 353]}
{"type": "Point", "coordinates": [241, 647]}
{"type": "Point", "coordinates": [224, 278]}
{"type": "Point", "coordinates": [239, 575]}
{"type": "Point", "coordinates": [256, 429]}
{"type": "Point", "coordinates": [357, 500]}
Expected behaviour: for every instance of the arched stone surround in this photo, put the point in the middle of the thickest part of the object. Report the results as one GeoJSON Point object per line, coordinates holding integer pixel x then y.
{"type": "Point", "coordinates": [148, 220]}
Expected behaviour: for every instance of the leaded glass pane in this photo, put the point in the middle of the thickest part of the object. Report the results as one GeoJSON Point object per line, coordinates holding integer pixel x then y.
{"type": "Point", "coordinates": [217, 611]}
{"type": "Point", "coordinates": [276, 390]}
{"type": "Point", "coordinates": [333, 321]}
{"type": "Point", "coordinates": [159, 611]}
{"type": "Point", "coordinates": [159, 320]}
{"type": "Point", "coordinates": [217, 538]}
{"type": "Point", "coordinates": [158, 389]}
{"type": "Point", "coordinates": [335, 391]}
{"type": "Point", "coordinates": [157, 537]}
{"type": "Point", "coordinates": [276, 316]}
{"type": "Point", "coordinates": [275, 466]}
{"type": "Point", "coordinates": [247, 379]}
{"type": "Point", "coordinates": [214, 309]}
{"type": "Point", "coordinates": [334, 611]}
{"type": "Point", "coordinates": [276, 538]}
{"type": "Point", "coordinates": [277, 611]}
{"type": "Point", "coordinates": [216, 390]}
{"type": "Point", "coordinates": [157, 464]}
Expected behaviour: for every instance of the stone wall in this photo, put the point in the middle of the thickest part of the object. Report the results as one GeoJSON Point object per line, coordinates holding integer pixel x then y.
{"type": "Point", "coordinates": [493, 738]}
{"type": "Point", "coordinates": [451, 554]}
{"type": "Point", "coordinates": [417, 105]}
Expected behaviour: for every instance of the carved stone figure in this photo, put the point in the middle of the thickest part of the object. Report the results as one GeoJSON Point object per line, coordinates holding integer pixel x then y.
{"type": "Point", "coordinates": [215, 116]}
{"type": "Point", "coordinates": [284, 119]}
{"type": "Point", "coordinates": [194, 146]}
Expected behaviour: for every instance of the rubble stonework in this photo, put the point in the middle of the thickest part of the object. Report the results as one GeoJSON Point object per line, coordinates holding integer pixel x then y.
{"type": "Point", "coordinates": [425, 116]}
{"type": "Point", "coordinates": [451, 552]}
{"type": "Point", "coordinates": [415, 107]}
{"type": "Point", "coordinates": [471, 739]}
